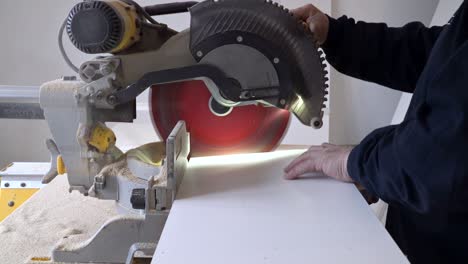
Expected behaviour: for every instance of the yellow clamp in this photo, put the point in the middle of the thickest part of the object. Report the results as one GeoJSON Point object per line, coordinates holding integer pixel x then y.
{"type": "Point", "coordinates": [102, 138]}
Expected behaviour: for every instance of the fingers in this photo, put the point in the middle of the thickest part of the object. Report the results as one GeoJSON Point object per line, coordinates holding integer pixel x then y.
{"type": "Point", "coordinates": [328, 158]}
{"type": "Point", "coordinates": [301, 168]}
{"type": "Point", "coordinates": [301, 158]}
{"type": "Point", "coordinates": [305, 163]}
{"type": "Point", "coordinates": [313, 22]}
{"type": "Point", "coordinates": [304, 12]}
{"type": "Point", "coordinates": [297, 160]}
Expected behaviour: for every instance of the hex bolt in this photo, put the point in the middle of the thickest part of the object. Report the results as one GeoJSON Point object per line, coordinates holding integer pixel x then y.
{"type": "Point", "coordinates": [11, 203]}
{"type": "Point", "coordinates": [90, 89]}
{"type": "Point", "coordinates": [23, 184]}
{"type": "Point", "coordinates": [105, 70]}
{"type": "Point", "coordinates": [99, 95]}
{"type": "Point", "coordinates": [111, 99]}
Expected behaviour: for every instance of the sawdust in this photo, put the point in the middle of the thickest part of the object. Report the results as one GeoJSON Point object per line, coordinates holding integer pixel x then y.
{"type": "Point", "coordinates": [161, 179]}
{"type": "Point", "coordinates": [52, 216]}
{"type": "Point", "coordinates": [56, 218]}
{"type": "Point", "coordinates": [118, 168]}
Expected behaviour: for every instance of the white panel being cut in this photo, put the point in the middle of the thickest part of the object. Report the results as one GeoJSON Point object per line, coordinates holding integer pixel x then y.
{"type": "Point", "coordinates": [239, 209]}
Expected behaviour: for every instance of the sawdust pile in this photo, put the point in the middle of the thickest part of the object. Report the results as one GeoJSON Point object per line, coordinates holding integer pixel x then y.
{"type": "Point", "coordinates": [54, 214]}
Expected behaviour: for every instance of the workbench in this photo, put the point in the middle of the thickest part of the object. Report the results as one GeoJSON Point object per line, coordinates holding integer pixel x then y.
{"type": "Point", "coordinates": [229, 209]}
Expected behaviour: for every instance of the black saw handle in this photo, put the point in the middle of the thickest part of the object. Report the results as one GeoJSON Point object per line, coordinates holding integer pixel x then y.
{"type": "Point", "coordinates": [169, 8]}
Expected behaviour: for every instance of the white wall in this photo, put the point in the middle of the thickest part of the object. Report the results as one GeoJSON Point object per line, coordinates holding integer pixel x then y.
{"type": "Point", "coordinates": [358, 107]}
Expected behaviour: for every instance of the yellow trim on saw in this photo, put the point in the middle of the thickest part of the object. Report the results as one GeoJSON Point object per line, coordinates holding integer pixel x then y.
{"type": "Point", "coordinates": [129, 16]}
{"type": "Point", "coordinates": [15, 197]}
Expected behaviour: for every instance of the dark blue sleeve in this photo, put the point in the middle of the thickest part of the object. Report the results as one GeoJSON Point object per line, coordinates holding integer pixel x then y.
{"type": "Point", "coordinates": [422, 164]}
{"type": "Point", "coordinates": [392, 57]}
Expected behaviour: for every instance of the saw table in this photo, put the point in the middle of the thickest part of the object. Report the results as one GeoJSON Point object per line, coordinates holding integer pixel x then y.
{"type": "Point", "coordinates": [230, 209]}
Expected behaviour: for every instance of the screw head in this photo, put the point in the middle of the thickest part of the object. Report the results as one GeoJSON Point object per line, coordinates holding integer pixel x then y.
{"type": "Point", "coordinates": [90, 89]}
{"type": "Point", "coordinates": [199, 53]}
{"type": "Point", "coordinates": [6, 185]}
{"type": "Point", "coordinates": [99, 95]}
{"type": "Point", "coordinates": [105, 70]}
{"type": "Point", "coordinates": [282, 102]}
{"type": "Point", "coordinates": [11, 203]}
{"type": "Point", "coordinates": [23, 184]}
{"type": "Point", "coordinates": [111, 99]}
{"type": "Point", "coordinates": [240, 39]}
{"type": "Point", "coordinates": [276, 60]}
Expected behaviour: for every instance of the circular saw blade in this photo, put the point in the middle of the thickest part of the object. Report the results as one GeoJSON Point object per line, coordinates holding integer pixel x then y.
{"type": "Point", "coordinates": [247, 129]}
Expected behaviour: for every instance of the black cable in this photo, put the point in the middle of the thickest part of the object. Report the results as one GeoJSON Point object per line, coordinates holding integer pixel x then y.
{"type": "Point", "coordinates": [169, 8]}
{"type": "Point", "coordinates": [62, 49]}
{"type": "Point", "coordinates": [141, 10]}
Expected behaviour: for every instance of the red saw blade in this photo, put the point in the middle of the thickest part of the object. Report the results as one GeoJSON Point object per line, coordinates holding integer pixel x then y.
{"type": "Point", "coordinates": [251, 128]}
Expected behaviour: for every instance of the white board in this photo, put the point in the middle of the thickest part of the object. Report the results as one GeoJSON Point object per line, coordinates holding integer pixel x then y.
{"type": "Point", "coordinates": [239, 209]}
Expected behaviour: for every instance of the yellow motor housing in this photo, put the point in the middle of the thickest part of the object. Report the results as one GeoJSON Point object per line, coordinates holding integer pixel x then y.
{"type": "Point", "coordinates": [108, 26]}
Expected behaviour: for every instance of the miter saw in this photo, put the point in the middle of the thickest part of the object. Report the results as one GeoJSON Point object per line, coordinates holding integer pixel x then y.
{"type": "Point", "coordinates": [226, 85]}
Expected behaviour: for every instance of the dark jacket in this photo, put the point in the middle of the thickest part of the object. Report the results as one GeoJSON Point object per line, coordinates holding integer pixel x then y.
{"type": "Point", "coordinates": [420, 167]}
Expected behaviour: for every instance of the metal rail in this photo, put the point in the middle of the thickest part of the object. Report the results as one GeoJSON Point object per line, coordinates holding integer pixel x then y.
{"type": "Point", "coordinates": [20, 102]}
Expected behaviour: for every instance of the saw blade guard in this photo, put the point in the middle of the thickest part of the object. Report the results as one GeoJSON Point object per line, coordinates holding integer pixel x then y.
{"type": "Point", "coordinates": [272, 31]}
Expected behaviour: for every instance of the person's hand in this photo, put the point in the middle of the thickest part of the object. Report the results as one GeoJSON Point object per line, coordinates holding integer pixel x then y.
{"type": "Point", "coordinates": [315, 19]}
{"type": "Point", "coordinates": [329, 159]}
